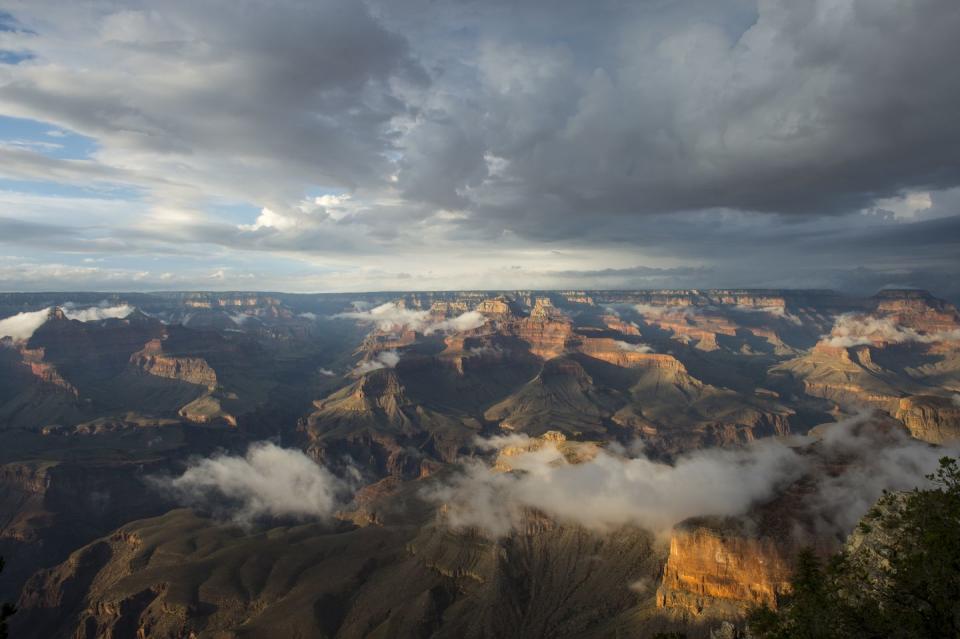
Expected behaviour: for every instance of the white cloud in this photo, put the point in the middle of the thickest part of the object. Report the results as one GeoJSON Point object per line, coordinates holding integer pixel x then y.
{"type": "Point", "coordinates": [465, 322]}
{"type": "Point", "coordinates": [777, 311]}
{"type": "Point", "coordinates": [855, 329]}
{"type": "Point", "coordinates": [633, 348]}
{"type": "Point", "coordinates": [611, 490]}
{"type": "Point", "coordinates": [270, 219]}
{"type": "Point", "coordinates": [22, 325]}
{"type": "Point", "coordinates": [392, 317]}
{"type": "Point", "coordinates": [907, 205]}
{"type": "Point", "coordinates": [386, 359]}
{"type": "Point", "coordinates": [96, 313]}
{"type": "Point", "coordinates": [269, 481]}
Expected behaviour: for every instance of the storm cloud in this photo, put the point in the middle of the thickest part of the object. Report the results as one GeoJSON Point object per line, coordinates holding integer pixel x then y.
{"type": "Point", "coordinates": [390, 145]}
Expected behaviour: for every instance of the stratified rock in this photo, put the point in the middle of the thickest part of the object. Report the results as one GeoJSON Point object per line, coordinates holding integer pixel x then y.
{"type": "Point", "coordinates": [547, 330]}
{"type": "Point", "coordinates": [207, 409]}
{"type": "Point", "coordinates": [719, 572]}
{"type": "Point", "coordinates": [931, 418]}
{"type": "Point", "coordinates": [153, 361]}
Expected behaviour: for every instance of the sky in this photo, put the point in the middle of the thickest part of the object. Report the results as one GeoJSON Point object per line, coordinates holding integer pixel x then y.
{"type": "Point", "coordinates": [330, 145]}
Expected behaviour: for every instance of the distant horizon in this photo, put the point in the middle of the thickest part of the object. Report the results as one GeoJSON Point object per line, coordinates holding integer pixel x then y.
{"type": "Point", "coordinates": [521, 289]}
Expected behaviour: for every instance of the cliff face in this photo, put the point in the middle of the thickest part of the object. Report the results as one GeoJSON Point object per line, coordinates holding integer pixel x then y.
{"type": "Point", "coordinates": [496, 309]}
{"type": "Point", "coordinates": [573, 451]}
{"type": "Point", "coordinates": [620, 353]}
{"type": "Point", "coordinates": [562, 397]}
{"type": "Point", "coordinates": [918, 310]}
{"type": "Point", "coordinates": [375, 422]}
{"type": "Point", "coordinates": [546, 331]}
{"type": "Point", "coordinates": [207, 409]}
{"type": "Point", "coordinates": [712, 573]}
{"type": "Point", "coordinates": [48, 509]}
{"type": "Point", "coordinates": [847, 377]}
{"type": "Point", "coordinates": [152, 361]}
{"type": "Point", "coordinates": [614, 323]}
{"type": "Point", "coordinates": [46, 372]}
{"type": "Point", "coordinates": [932, 419]}
{"type": "Point", "coordinates": [701, 330]}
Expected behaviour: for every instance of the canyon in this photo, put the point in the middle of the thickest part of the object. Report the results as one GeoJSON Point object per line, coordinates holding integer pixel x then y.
{"type": "Point", "coordinates": [395, 395]}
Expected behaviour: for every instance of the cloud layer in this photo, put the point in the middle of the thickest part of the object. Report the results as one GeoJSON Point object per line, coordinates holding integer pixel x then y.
{"type": "Point", "coordinates": [413, 144]}
{"type": "Point", "coordinates": [385, 359]}
{"type": "Point", "coordinates": [612, 490]}
{"type": "Point", "coordinates": [269, 481]}
{"type": "Point", "coordinates": [854, 329]}
{"type": "Point", "coordinates": [22, 326]}
{"type": "Point", "coordinates": [633, 348]}
{"type": "Point", "coordinates": [97, 313]}
{"type": "Point", "coordinates": [392, 317]}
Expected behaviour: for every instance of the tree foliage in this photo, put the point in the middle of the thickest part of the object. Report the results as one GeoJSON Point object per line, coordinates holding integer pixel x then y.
{"type": "Point", "coordinates": [6, 610]}
{"type": "Point", "coordinates": [898, 578]}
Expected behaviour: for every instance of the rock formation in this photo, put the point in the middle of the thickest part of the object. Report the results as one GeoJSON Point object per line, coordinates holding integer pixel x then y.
{"type": "Point", "coordinates": [716, 572]}
{"type": "Point", "coordinates": [151, 360]}
{"type": "Point", "coordinates": [931, 418]}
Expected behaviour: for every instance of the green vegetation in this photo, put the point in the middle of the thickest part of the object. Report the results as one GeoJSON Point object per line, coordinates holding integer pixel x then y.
{"type": "Point", "coordinates": [899, 578]}
{"type": "Point", "coordinates": [6, 610]}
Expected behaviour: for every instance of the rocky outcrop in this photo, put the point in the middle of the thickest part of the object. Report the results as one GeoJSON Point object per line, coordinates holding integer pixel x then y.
{"type": "Point", "coordinates": [614, 323]}
{"type": "Point", "coordinates": [573, 451]}
{"type": "Point", "coordinates": [700, 331]}
{"type": "Point", "coordinates": [847, 377]}
{"type": "Point", "coordinates": [716, 573]}
{"type": "Point", "coordinates": [151, 360]}
{"type": "Point", "coordinates": [628, 355]}
{"type": "Point", "coordinates": [562, 397]}
{"type": "Point", "coordinates": [376, 424]}
{"type": "Point", "coordinates": [546, 331]}
{"type": "Point", "coordinates": [918, 310]}
{"type": "Point", "coordinates": [48, 509]}
{"type": "Point", "coordinates": [443, 309]}
{"type": "Point", "coordinates": [496, 309]}
{"type": "Point", "coordinates": [46, 372]}
{"type": "Point", "coordinates": [931, 418]}
{"type": "Point", "coordinates": [207, 409]}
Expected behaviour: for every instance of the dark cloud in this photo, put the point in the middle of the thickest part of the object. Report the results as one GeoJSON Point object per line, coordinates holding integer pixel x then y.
{"type": "Point", "coordinates": [638, 272]}
{"type": "Point", "coordinates": [809, 109]}
{"type": "Point", "coordinates": [754, 143]}
{"type": "Point", "coordinates": [256, 101]}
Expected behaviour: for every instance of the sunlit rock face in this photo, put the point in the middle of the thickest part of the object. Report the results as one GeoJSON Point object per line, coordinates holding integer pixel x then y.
{"type": "Point", "coordinates": [918, 310]}
{"type": "Point", "coordinates": [546, 330]}
{"type": "Point", "coordinates": [711, 572]}
{"type": "Point", "coordinates": [931, 419]}
{"type": "Point", "coordinates": [153, 361]}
